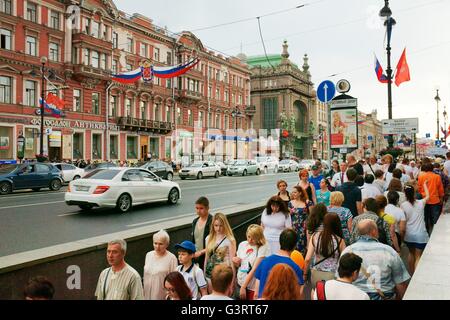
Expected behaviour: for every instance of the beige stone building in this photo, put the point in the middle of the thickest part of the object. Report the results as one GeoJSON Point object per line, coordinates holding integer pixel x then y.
{"type": "Point", "coordinates": [370, 137]}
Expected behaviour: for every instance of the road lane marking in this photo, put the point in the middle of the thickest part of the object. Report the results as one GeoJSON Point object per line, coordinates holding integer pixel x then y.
{"type": "Point", "coordinates": [34, 195]}
{"type": "Point", "coordinates": [68, 214]}
{"type": "Point", "coordinates": [31, 205]}
{"type": "Point", "coordinates": [176, 217]}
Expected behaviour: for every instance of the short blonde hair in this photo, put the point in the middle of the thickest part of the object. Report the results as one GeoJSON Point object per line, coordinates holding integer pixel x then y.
{"type": "Point", "coordinates": [337, 198]}
{"type": "Point", "coordinates": [161, 235]}
{"type": "Point", "coordinates": [256, 232]}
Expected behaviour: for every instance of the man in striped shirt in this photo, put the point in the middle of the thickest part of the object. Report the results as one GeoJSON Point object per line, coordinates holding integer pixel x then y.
{"type": "Point", "coordinates": [120, 281]}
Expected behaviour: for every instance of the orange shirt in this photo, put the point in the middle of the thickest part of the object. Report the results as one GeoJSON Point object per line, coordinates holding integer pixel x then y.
{"type": "Point", "coordinates": [435, 187]}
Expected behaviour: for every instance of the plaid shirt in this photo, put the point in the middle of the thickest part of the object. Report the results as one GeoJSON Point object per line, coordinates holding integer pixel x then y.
{"type": "Point", "coordinates": [384, 265]}
{"type": "Point", "coordinates": [371, 216]}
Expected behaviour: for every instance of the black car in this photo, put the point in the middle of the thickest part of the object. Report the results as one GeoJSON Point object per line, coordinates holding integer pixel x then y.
{"type": "Point", "coordinates": [100, 165]}
{"type": "Point", "coordinates": [160, 168]}
{"type": "Point", "coordinates": [29, 176]}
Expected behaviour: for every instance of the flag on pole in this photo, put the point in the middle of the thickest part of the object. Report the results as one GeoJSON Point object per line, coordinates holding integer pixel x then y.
{"type": "Point", "coordinates": [379, 71]}
{"type": "Point", "coordinates": [402, 74]}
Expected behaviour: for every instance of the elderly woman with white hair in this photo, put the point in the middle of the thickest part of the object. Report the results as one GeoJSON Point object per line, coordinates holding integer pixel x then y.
{"type": "Point", "coordinates": [158, 264]}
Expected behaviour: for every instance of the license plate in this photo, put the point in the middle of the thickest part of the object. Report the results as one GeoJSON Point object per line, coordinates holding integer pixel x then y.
{"type": "Point", "coordinates": [81, 188]}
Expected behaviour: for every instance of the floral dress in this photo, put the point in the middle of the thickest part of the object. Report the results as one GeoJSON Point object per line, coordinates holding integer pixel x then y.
{"type": "Point", "coordinates": [299, 217]}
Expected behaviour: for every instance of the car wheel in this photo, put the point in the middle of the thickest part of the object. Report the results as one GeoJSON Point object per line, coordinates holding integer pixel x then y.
{"type": "Point", "coordinates": [36, 189]}
{"type": "Point", "coordinates": [258, 172]}
{"type": "Point", "coordinates": [76, 177]}
{"type": "Point", "coordinates": [174, 195]}
{"type": "Point", "coordinates": [200, 175]}
{"type": "Point", "coordinates": [5, 188]}
{"type": "Point", "coordinates": [169, 176]}
{"type": "Point", "coordinates": [124, 203]}
{"type": "Point", "coordinates": [217, 174]}
{"type": "Point", "coordinates": [244, 173]}
{"type": "Point", "coordinates": [86, 207]}
{"type": "Point", "coordinates": [290, 169]}
{"type": "Point", "coordinates": [55, 185]}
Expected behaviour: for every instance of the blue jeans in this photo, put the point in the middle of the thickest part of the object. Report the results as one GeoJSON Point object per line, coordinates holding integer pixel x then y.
{"type": "Point", "coordinates": [432, 213]}
{"type": "Point", "coordinates": [376, 296]}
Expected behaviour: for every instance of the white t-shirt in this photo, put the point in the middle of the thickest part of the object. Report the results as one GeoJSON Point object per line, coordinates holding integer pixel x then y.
{"type": "Point", "coordinates": [274, 224]}
{"type": "Point", "coordinates": [248, 255]}
{"type": "Point", "coordinates": [215, 297]}
{"type": "Point", "coordinates": [401, 195]}
{"type": "Point", "coordinates": [375, 167]}
{"type": "Point", "coordinates": [397, 213]}
{"type": "Point", "coordinates": [369, 191]}
{"type": "Point", "coordinates": [338, 290]}
{"type": "Point", "coordinates": [415, 223]}
{"type": "Point", "coordinates": [447, 166]}
{"type": "Point", "coordinates": [194, 278]}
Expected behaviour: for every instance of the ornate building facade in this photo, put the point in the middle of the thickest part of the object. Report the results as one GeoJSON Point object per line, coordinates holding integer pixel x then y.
{"type": "Point", "coordinates": [284, 99]}
{"type": "Point", "coordinates": [88, 41]}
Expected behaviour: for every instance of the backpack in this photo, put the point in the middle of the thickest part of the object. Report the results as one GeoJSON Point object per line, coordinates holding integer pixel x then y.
{"type": "Point", "coordinates": [382, 236]}
{"type": "Point", "coordinates": [320, 290]}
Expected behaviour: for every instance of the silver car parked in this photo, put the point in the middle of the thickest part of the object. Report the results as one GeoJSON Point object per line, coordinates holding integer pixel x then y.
{"type": "Point", "coordinates": [244, 167]}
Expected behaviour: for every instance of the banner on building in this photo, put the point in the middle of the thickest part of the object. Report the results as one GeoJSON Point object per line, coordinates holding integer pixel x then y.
{"type": "Point", "coordinates": [344, 130]}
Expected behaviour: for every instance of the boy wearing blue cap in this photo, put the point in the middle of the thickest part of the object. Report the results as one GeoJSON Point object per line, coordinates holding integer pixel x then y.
{"type": "Point", "coordinates": [191, 272]}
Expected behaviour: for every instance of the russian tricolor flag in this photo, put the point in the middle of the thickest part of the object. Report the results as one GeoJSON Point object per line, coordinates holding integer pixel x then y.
{"type": "Point", "coordinates": [379, 71]}
{"type": "Point", "coordinates": [128, 77]}
{"type": "Point", "coordinates": [172, 72]}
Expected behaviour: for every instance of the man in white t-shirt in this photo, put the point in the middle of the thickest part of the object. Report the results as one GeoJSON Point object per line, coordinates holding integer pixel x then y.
{"type": "Point", "coordinates": [447, 164]}
{"type": "Point", "coordinates": [369, 190]}
{"type": "Point", "coordinates": [222, 283]}
{"type": "Point", "coordinates": [342, 288]}
{"type": "Point", "coordinates": [372, 166]}
{"type": "Point", "coordinates": [399, 215]}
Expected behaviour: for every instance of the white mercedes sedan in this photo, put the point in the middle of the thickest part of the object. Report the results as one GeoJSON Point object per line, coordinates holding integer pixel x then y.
{"type": "Point", "coordinates": [120, 188]}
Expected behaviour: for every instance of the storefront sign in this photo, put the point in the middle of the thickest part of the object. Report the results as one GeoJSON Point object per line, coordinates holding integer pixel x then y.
{"type": "Point", "coordinates": [55, 139]}
{"type": "Point", "coordinates": [74, 124]}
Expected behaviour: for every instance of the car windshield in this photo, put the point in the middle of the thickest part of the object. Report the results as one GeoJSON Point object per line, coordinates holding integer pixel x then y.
{"type": "Point", "coordinates": [284, 162]}
{"type": "Point", "coordinates": [261, 159]}
{"type": "Point", "coordinates": [102, 174]}
{"type": "Point", "coordinates": [196, 165]}
{"type": "Point", "coordinates": [7, 168]}
{"type": "Point", "coordinates": [240, 163]}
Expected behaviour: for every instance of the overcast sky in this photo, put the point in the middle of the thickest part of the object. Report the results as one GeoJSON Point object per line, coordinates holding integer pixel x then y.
{"type": "Point", "coordinates": [340, 37]}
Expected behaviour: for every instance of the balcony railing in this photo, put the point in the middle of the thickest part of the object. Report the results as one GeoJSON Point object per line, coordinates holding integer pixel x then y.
{"type": "Point", "coordinates": [189, 95]}
{"type": "Point", "coordinates": [129, 123]}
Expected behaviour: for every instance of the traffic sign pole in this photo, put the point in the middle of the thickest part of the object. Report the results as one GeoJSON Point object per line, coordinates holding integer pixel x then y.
{"type": "Point", "coordinates": [327, 105]}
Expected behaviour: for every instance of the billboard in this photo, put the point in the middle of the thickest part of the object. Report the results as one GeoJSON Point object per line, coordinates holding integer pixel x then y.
{"type": "Point", "coordinates": [344, 131]}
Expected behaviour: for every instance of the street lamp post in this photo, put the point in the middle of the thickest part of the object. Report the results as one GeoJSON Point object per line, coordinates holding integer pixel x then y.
{"type": "Point", "coordinates": [437, 99]}
{"type": "Point", "coordinates": [386, 13]}
{"type": "Point", "coordinates": [445, 126]}
{"type": "Point", "coordinates": [43, 61]}
{"type": "Point", "coordinates": [321, 131]}
{"type": "Point", "coordinates": [235, 114]}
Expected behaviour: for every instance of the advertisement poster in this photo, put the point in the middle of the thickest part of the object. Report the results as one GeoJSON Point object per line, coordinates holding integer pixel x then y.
{"type": "Point", "coordinates": [344, 132]}
{"type": "Point", "coordinates": [405, 142]}
{"type": "Point", "coordinates": [29, 144]}
{"type": "Point", "coordinates": [4, 143]}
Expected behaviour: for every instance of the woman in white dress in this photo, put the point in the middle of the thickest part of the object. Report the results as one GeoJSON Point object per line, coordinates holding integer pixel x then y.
{"type": "Point", "coordinates": [158, 264]}
{"type": "Point", "coordinates": [274, 219]}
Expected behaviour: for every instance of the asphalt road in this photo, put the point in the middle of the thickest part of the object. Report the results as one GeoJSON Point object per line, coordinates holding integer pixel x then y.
{"type": "Point", "coordinates": [33, 220]}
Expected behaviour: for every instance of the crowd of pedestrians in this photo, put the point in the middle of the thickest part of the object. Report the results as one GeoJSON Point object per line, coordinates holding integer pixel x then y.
{"type": "Point", "coordinates": [334, 235]}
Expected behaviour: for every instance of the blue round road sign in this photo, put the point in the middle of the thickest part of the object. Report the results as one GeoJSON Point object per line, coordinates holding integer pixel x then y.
{"type": "Point", "coordinates": [326, 91]}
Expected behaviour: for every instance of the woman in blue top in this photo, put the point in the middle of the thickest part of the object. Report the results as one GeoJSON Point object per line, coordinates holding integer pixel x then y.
{"type": "Point", "coordinates": [323, 194]}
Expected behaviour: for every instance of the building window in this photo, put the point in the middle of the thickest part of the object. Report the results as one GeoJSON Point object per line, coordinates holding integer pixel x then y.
{"type": "Point", "coordinates": [217, 94]}
{"type": "Point", "coordinates": [87, 23]}
{"type": "Point", "coordinates": [5, 39]}
{"type": "Point", "coordinates": [217, 121]}
{"type": "Point", "coordinates": [114, 66]}
{"type": "Point", "coordinates": [168, 114]}
{"type": "Point", "coordinates": [209, 91]}
{"type": "Point", "coordinates": [95, 103]}
{"type": "Point", "coordinates": [77, 100]}
{"type": "Point", "coordinates": [87, 56]}
{"type": "Point", "coordinates": [113, 106]}
{"type": "Point", "coordinates": [169, 58]}
{"type": "Point", "coordinates": [54, 19]}
{"type": "Point", "coordinates": [31, 12]}
{"type": "Point", "coordinates": [31, 148]}
{"type": "Point", "coordinates": [144, 50]}
{"type": "Point", "coordinates": [31, 46]}
{"type": "Point", "coordinates": [95, 29]}
{"type": "Point", "coordinates": [226, 122]}
{"type": "Point", "coordinates": [30, 93]}
{"type": "Point", "coordinates": [233, 98]}
{"type": "Point", "coordinates": [132, 148]}
{"type": "Point", "coordinates": [210, 119]}
{"type": "Point", "coordinates": [78, 146]}
{"type": "Point", "coordinates": [218, 75]}
{"type": "Point", "coordinates": [95, 59]}
{"type": "Point", "coordinates": [226, 96]}
{"type": "Point", "coordinates": [128, 107]}
{"type": "Point", "coordinates": [157, 112]}
{"type": "Point", "coordinates": [130, 44]}
{"type": "Point", "coordinates": [96, 146]}
{"type": "Point", "coordinates": [169, 83]}
{"type": "Point", "coordinates": [240, 99]}
{"type": "Point", "coordinates": [210, 72]}
{"type": "Point", "coordinates": [225, 77]}
{"type": "Point", "coordinates": [129, 67]}
{"type": "Point", "coordinates": [143, 110]}
{"type": "Point", "coordinates": [113, 147]}
{"type": "Point", "coordinates": [103, 61]}
{"type": "Point", "coordinates": [5, 89]}
{"type": "Point", "coordinates": [179, 116]}
{"type": "Point", "coordinates": [115, 38]}
{"type": "Point", "coordinates": [54, 51]}
{"type": "Point", "coordinates": [5, 6]}
{"type": "Point", "coordinates": [270, 113]}
{"type": "Point", "coordinates": [156, 54]}
{"type": "Point", "coordinates": [7, 142]}
{"type": "Point", "coordinates": [190, 118]}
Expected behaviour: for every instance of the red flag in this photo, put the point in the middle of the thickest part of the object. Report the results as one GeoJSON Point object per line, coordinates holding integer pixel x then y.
{"type": "Point", "coordinates": [402, 70]}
